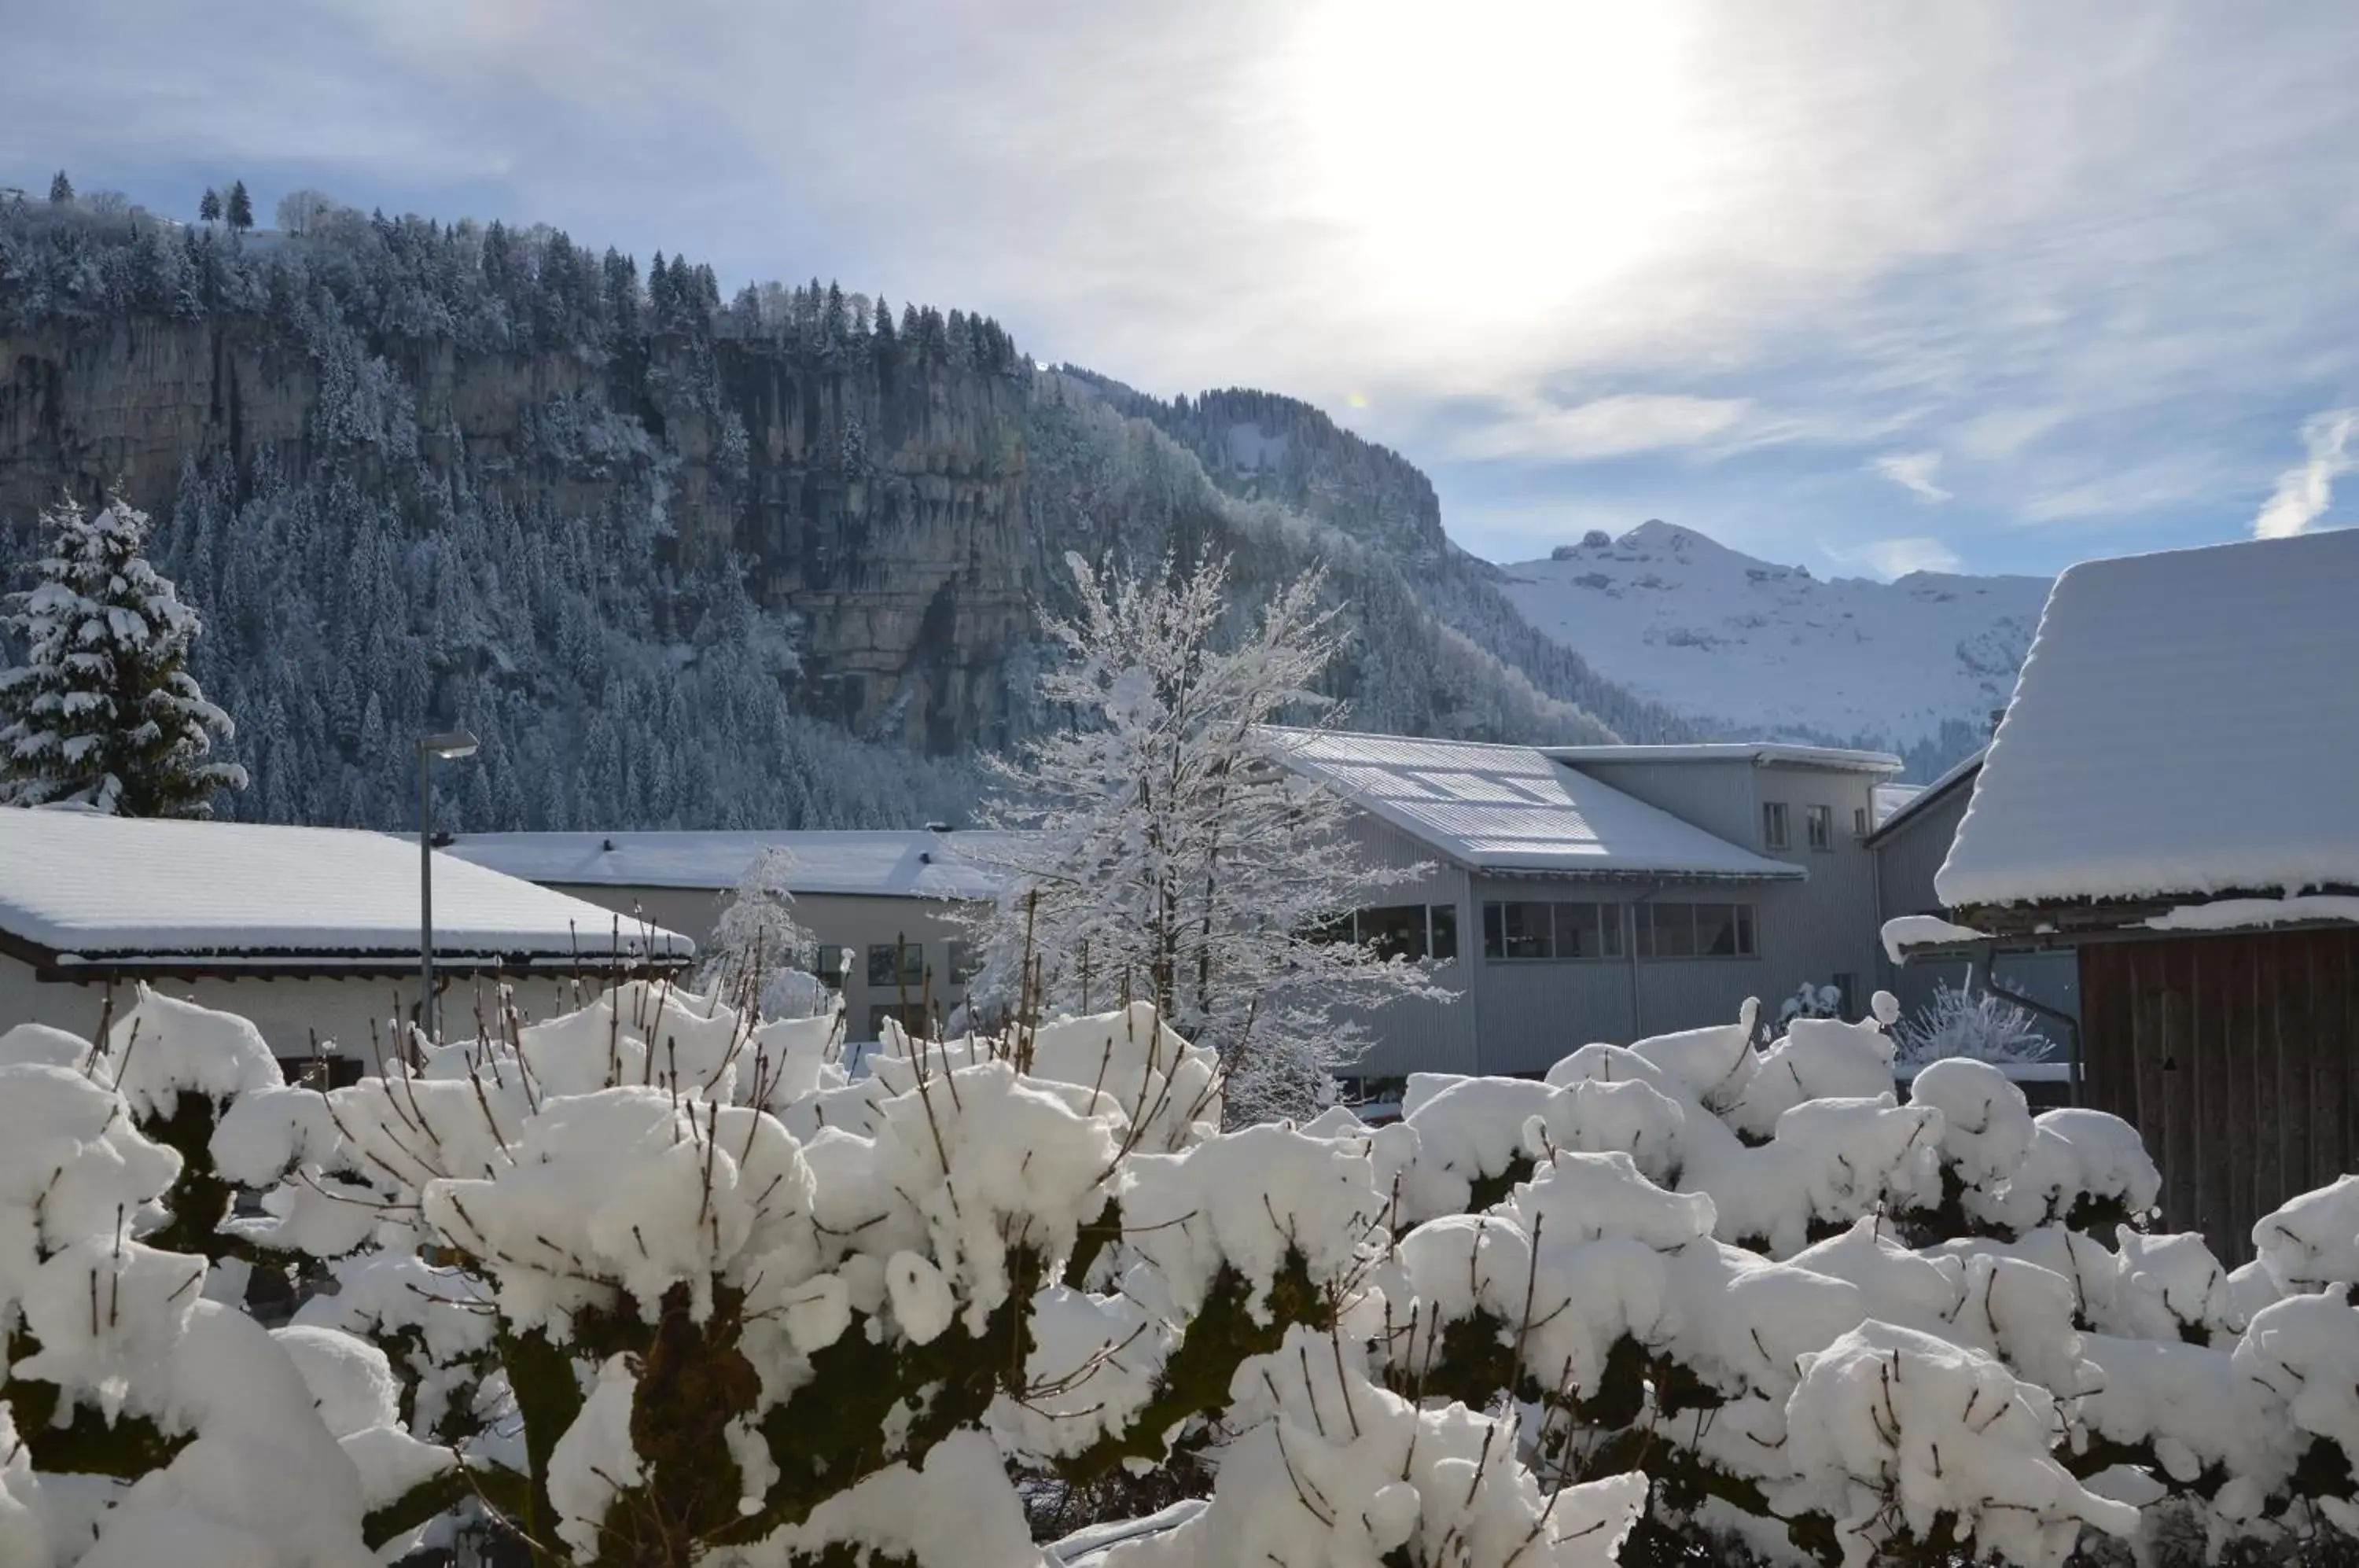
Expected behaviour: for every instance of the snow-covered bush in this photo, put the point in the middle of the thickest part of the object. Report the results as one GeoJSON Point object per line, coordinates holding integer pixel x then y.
{"type": "Point", "coordinates": [1974, 1024]}
{"type": "Point", "coordinates": [144, 1422]}
{"type": "Point", "coordinates": [653, 1282]}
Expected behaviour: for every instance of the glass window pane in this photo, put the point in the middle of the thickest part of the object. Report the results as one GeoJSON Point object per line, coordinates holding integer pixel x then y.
{"type": "Point", "coordinates": [1494, 941]}
{"type": "Point", "coordinates": [1642, 921]}
{"type": "Point", "coordinates": [831, 963]}
{"type": "Point", "coordinates": [1674, 931]}
{"type": "Point", "coordinates": [1396, 930]}
{"type": "Point", "coordinates": [967, 962]}
{"type": "Point", "coordinates": [1773, 824]}
{"type": "Point", "coordinates": [912, 956]}
{"type": "Point", "coordinates": [1745, 930]}
{"type": "Point", "coordinates": [1445, 932]}
{"type": "Point", "coordinates": [1576, 931]}
{"type": "Point", "coordinates": [1820, 821]}
{"type": "Point", "coordinates": [1526, 929]}
{"type": "Point", "coordinates": [1716, 930]}
{"type": "Point", "coordinates": [1609, 931]}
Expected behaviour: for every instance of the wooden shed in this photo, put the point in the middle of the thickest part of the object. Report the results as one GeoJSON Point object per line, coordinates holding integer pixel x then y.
{"type": "Point", "coordinates": [2173, 796]}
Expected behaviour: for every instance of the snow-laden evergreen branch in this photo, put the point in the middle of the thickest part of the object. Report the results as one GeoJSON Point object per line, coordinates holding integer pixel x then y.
{"type": "Point", "coordinates": [103, 712]}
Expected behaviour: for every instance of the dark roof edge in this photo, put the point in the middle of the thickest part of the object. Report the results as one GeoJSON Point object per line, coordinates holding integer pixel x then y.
{"type": "Point", "coordinates": [1960, 773]}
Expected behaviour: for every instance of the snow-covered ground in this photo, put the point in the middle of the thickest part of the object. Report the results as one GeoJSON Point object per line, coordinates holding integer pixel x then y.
{"type": "Point", "coordinates": [1718, 634]}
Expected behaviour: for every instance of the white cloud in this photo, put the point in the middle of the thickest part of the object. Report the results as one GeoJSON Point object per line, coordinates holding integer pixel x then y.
{"type": "Point", "coordinates": [2304, 493]}
{"type": "Point", "coordinates": [1605, 427]}
{"type": "Point", "coordinates": [1890, 558]}
{"type": "Point", "coordinates": [1913, 472]}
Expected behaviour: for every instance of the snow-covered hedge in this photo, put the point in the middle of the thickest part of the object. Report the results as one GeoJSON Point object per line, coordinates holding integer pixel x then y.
{"type": "Point", "coordinates": [654, 1283]}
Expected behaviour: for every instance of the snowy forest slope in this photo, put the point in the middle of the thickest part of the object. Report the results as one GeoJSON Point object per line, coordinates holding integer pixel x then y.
{"type": "Point", "coordinates": [777, 560]}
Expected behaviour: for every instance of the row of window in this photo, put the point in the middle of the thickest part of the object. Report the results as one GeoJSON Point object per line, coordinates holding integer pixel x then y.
{"type": "Point", "coordinates": [897, 964]}
{"type": "Point", "coordinates": [1818, 826]}
{"type": "Point", "coordinates": [1560, 929]}
{"type": "Point", "coordinates": [1414, 932]}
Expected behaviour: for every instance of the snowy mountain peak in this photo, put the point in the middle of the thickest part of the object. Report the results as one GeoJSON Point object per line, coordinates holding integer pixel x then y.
{"type": "Point", "coordinates": [1755, 649]}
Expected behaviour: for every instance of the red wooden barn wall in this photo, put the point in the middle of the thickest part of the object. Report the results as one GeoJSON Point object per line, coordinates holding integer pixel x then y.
{"type": "Point", "coordinates": [2237, 1056]}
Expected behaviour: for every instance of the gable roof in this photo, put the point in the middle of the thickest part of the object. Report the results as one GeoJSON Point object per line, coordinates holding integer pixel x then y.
{"type": "Point", "coordinates": [2187, 723]}
{"type": "Point", "coordinates": [1960, 775]}
{"type": "Point", "coordinates": [1513, 809]}
{"type": "Point", "coordinates": [892, 862]}
{"type": "Point", "coordinates": [78, 887]}
{"type": "Point", "coordinates": [1758, 753]}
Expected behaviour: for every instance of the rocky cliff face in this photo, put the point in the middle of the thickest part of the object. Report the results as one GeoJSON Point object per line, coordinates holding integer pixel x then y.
{"type": "Point", "coordinates": [780, 562]}
{"type": "Point", "coordinates": [879, 505]}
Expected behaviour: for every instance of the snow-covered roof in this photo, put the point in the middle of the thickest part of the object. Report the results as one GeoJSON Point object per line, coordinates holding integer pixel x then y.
{"type": "Point", "coordinates": [1757, 752]}
{"type": "Point", "coordinates": [1511, 809]}
{"type": "Point", "coordinates": [1959, 775]}
{"type": "Point", "coordinates": [912, 864]}
{"type": "Point", "coordinates": [99, 888]}
{"type": "Point", "coordinates": [2186, 724]}
{"type": "Point", "coordinates": [1890, 798]}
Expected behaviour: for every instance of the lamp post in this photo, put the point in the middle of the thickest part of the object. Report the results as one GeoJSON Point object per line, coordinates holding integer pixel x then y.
{"type": "Point", "coordinates": [455, 745]}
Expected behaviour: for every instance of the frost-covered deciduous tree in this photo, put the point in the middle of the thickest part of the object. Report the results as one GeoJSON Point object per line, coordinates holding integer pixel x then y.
{"type": "Point", "coordinates": [757, 943]}
{"type": "Point", "coordinates": [103, 711]}
{"type": "Point", "coordinates": [1973, 1024]}
{"type": "Point", "coordinates": [1165, 852]}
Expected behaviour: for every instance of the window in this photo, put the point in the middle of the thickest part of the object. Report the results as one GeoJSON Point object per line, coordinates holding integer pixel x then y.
{"type": "Point", "coordinates": [1520, 930]}
{"type": "Point", "coordinates": [1859, 822]}
{"type": "Point", "coordinates": [1517, 931]}
{"type": "Point", "coordinates": [1773, 825]}
{"type": "Point", "coordinates": [831, 963]}
{"type": "Point", "coordinates": [912, 956]}
{"type": "Point", "coordinates": [1396, 930]}
{"type": "Point", "coordinates": [1413, 931]}
{"type": "Point", "coordinates": [967, 962]}
{"type": "Point", "coordinates": [1695, 931]}
{"type": "Point", "coordinates": [911, 1017]}
{"type": "Point", "coordinates": [1818, 821]}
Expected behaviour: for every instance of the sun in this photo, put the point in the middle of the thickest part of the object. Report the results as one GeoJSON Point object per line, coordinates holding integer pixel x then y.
{"type": "Point", "coordinates": [1488, 158]}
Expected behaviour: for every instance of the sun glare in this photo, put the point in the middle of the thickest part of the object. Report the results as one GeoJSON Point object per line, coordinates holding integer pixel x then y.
{"type": "Point", "coordinates": [1492, 157]}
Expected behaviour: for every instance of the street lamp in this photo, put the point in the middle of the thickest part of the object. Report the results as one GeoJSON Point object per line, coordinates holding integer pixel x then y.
{"type": "Point", "coordinates": [455, 745]}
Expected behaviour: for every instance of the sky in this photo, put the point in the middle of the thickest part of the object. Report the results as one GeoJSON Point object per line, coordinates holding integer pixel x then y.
{"type": "Point", "coordinates": [1864, 287]}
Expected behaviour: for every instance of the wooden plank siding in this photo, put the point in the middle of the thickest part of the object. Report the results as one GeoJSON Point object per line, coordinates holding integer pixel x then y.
{"type": "Point", "coordinates": [2232, 1055]}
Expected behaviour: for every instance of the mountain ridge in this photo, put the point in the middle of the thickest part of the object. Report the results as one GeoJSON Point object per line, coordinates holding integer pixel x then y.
{"type": "Point", "coordinates": [1746, 647]}
{"type": "Point", "coordinates": [778, 561]}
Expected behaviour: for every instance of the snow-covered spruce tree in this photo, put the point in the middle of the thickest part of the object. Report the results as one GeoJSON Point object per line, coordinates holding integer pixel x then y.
{"type": "Point", "coordinates": [103, 711]}
{"type": "Point", "coordinates": [1163, 853]}
{"type": "Point", "coordinates": [761, 955]}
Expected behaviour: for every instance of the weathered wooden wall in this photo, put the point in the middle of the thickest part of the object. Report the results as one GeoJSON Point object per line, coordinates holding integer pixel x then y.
{"type": "Point", "coordinates": [2237, 1057]}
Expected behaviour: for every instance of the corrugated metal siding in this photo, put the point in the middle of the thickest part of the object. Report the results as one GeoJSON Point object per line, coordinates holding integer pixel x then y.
{"type": "Point", "coordinates": [2237, 1057]}
{"type": "Point", "coordinates": [1914, 850]}
{"type": "Point", "coordinates": [1536, 1014]}
{"type": "Point", "coordinates": [1530, 1014]}
{"type": "Point", "coordinates": [1410, 1036]}
{"type": "Point", "coordinates": [1827, 925]}
{"type": "Point", "coordinates": [1717, 797]}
